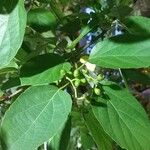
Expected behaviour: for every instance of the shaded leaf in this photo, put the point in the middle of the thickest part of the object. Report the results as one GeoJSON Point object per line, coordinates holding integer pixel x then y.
{"type": "Point", "coordinates": [101, 139]}
{"type": "Point", "coordinates": [41, 19]}
{"type": "Point", "coordinates": [125, 2]}
{"type": "Point", "coordinates": [120, 11]}
{"type": "Point", "coordinates": [123, 119]}
{"type": "Point", "coordinates": [44, 69]}
{"type": "Point", "coordinates": [86, 141]}
{"type": "Point", "coordinates": [12, 82]}
{"type": "Point", "coordinates": [7, 6]}
{"type": "Point", "coordinates": [44, 1]}
{"type": "Point", "coordinates": [136, 76]}
{"type": "Point", "coordinates": [11, 67]}
{"type": "Point", "coordinates": [61, 139]}
{"type": "Point", "coordinates": [138, 25]}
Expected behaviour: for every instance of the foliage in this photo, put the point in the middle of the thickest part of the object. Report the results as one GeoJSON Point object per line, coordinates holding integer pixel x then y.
{"type": "Point", "coordinates": [55, 92]}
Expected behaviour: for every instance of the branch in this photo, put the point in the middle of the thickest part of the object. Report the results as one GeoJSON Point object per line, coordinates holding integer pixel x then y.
{"type": "Point", "coordinates": [144, 7]}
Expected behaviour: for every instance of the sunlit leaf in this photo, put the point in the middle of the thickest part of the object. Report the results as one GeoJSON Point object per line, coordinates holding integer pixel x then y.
{"type": "Point", "coordinates": [12, 28]}
{"type": "Point", "coordinates": [125, 51]}
{"type": "Point", "coordinates": [35, 117]}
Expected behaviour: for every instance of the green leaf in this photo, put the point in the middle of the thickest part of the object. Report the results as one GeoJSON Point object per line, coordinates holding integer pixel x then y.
{"type": "Point", "coordinates": [61, 139]}
{"type": "Point", "coordinates": [11, 32]}
{"type": "Point", "coordinates": [86, 140]}
{"type": "Point", "coordinates": [136, 76]}
{"type": "Point", "coordinates": [44, 69]}
{"type": "Point", "coordinates": [10, 83]}
{"type": "Point", "coordinates": [1, 147]}
{"type": "Point", "coordinates": [7, 6]}
{"type": "Point", "coordinates": [120, 11]}
{"type": "Point", "coordinates": [125, 51]}
{"type": "Point", "coordinates": [35, 117]}
{"type": "Point", "coordinates": [41, 19]}
{"type": "Point", "coordinates": [138, 25]}
{"type": "Point", "coordinates": [101, 139]}
{"type": "Point", "coordinates": [107, 4]}
{"type": "Point", "coordinates": [1, 94]}
{"type": "Point", "coordinates": [64, 2]}
{"type": "Point", "coordinates": [72, 26]}
{"type": "Point", "coordinates": [11, 67]}
{"type": "Point", "coordinates": [125, 2]}
{"type": "Point", "coordinates": [44, 1]}
{"type": "Point", "coordinates": [56, 9]}
{"type": "Point", "coordinates": [123, 119]}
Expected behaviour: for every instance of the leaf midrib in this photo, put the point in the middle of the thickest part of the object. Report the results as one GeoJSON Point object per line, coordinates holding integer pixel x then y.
{"type": "Point", "coordinates": [51, 100]}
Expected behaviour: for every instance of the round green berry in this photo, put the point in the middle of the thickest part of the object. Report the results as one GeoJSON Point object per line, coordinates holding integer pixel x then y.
{"type": "Point", "coordinates": [83, 80]}
{"type": "Point", "coordinates": [100, 77]}
{"type": "Point", "coordinates": [97, 91]}
{"type": "Point", "coordinates": [76, 73]}
{"type": "Point", "coordinates": [77, 82]}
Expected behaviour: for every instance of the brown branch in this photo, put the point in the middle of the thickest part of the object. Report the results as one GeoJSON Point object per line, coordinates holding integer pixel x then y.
{"type": "Point", "coordinates": [144, 7]}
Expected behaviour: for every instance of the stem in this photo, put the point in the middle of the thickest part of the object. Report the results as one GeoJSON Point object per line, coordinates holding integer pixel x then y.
{"type": "Point", "coordinates": [45, 145]}
{"type": "Point", "coordinates": [63, 86]}
{"type": "Point", "coordinates": [87, 76]}
{"type": "Point", "coordinates": [74, 88]}
{"type": "Point", "coordinates": [84, 32]}
{"type": "Point", "coordinates": [15, 93]}
{"type": "Point", "coordinates": [56, 10]}
{"type": "Point", "coordinates": [125, 81]}
{"type": "Point", "coordinates": [81, 66]}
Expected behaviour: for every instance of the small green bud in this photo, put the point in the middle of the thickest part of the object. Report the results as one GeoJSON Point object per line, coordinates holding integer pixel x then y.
{"type": "Point", "coordinates": [83, 80]}
{"type": "Point", "coordinates": [89, 80]}
{"type": "Point", "coordinates": [97, 91]}
{"type": "Point", "coordinates": [100, 77]}
{"type": "Point", "coordinates": [84, 59]}
{"type": "Point", "coordinates": [76, 73]}
{"type": "Point", "coordinates": [77, 82]}
{"type": "Point", "coordinates": [84, 71]}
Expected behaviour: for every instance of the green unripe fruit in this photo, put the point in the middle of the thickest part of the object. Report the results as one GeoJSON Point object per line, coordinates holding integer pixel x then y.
{"type": "Point", "coordinates": [84, 59]}
{"type": "Point", "coordinates": [41, 19]}
{"type": "Point", "coordinates": [76, 73]}
{"type": "Point", "coordinates": [77, 82]}
{"type": "Point", "coordinates": [84, 71]}
{"type": "Point", "coordinates": [83, 80]}
{"type": "Point", "coordinates": [97, 91]}
{"type": "Point", "coordinates": [100, 77]}
{"type": "Point", "coordinates": [89, 80]}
